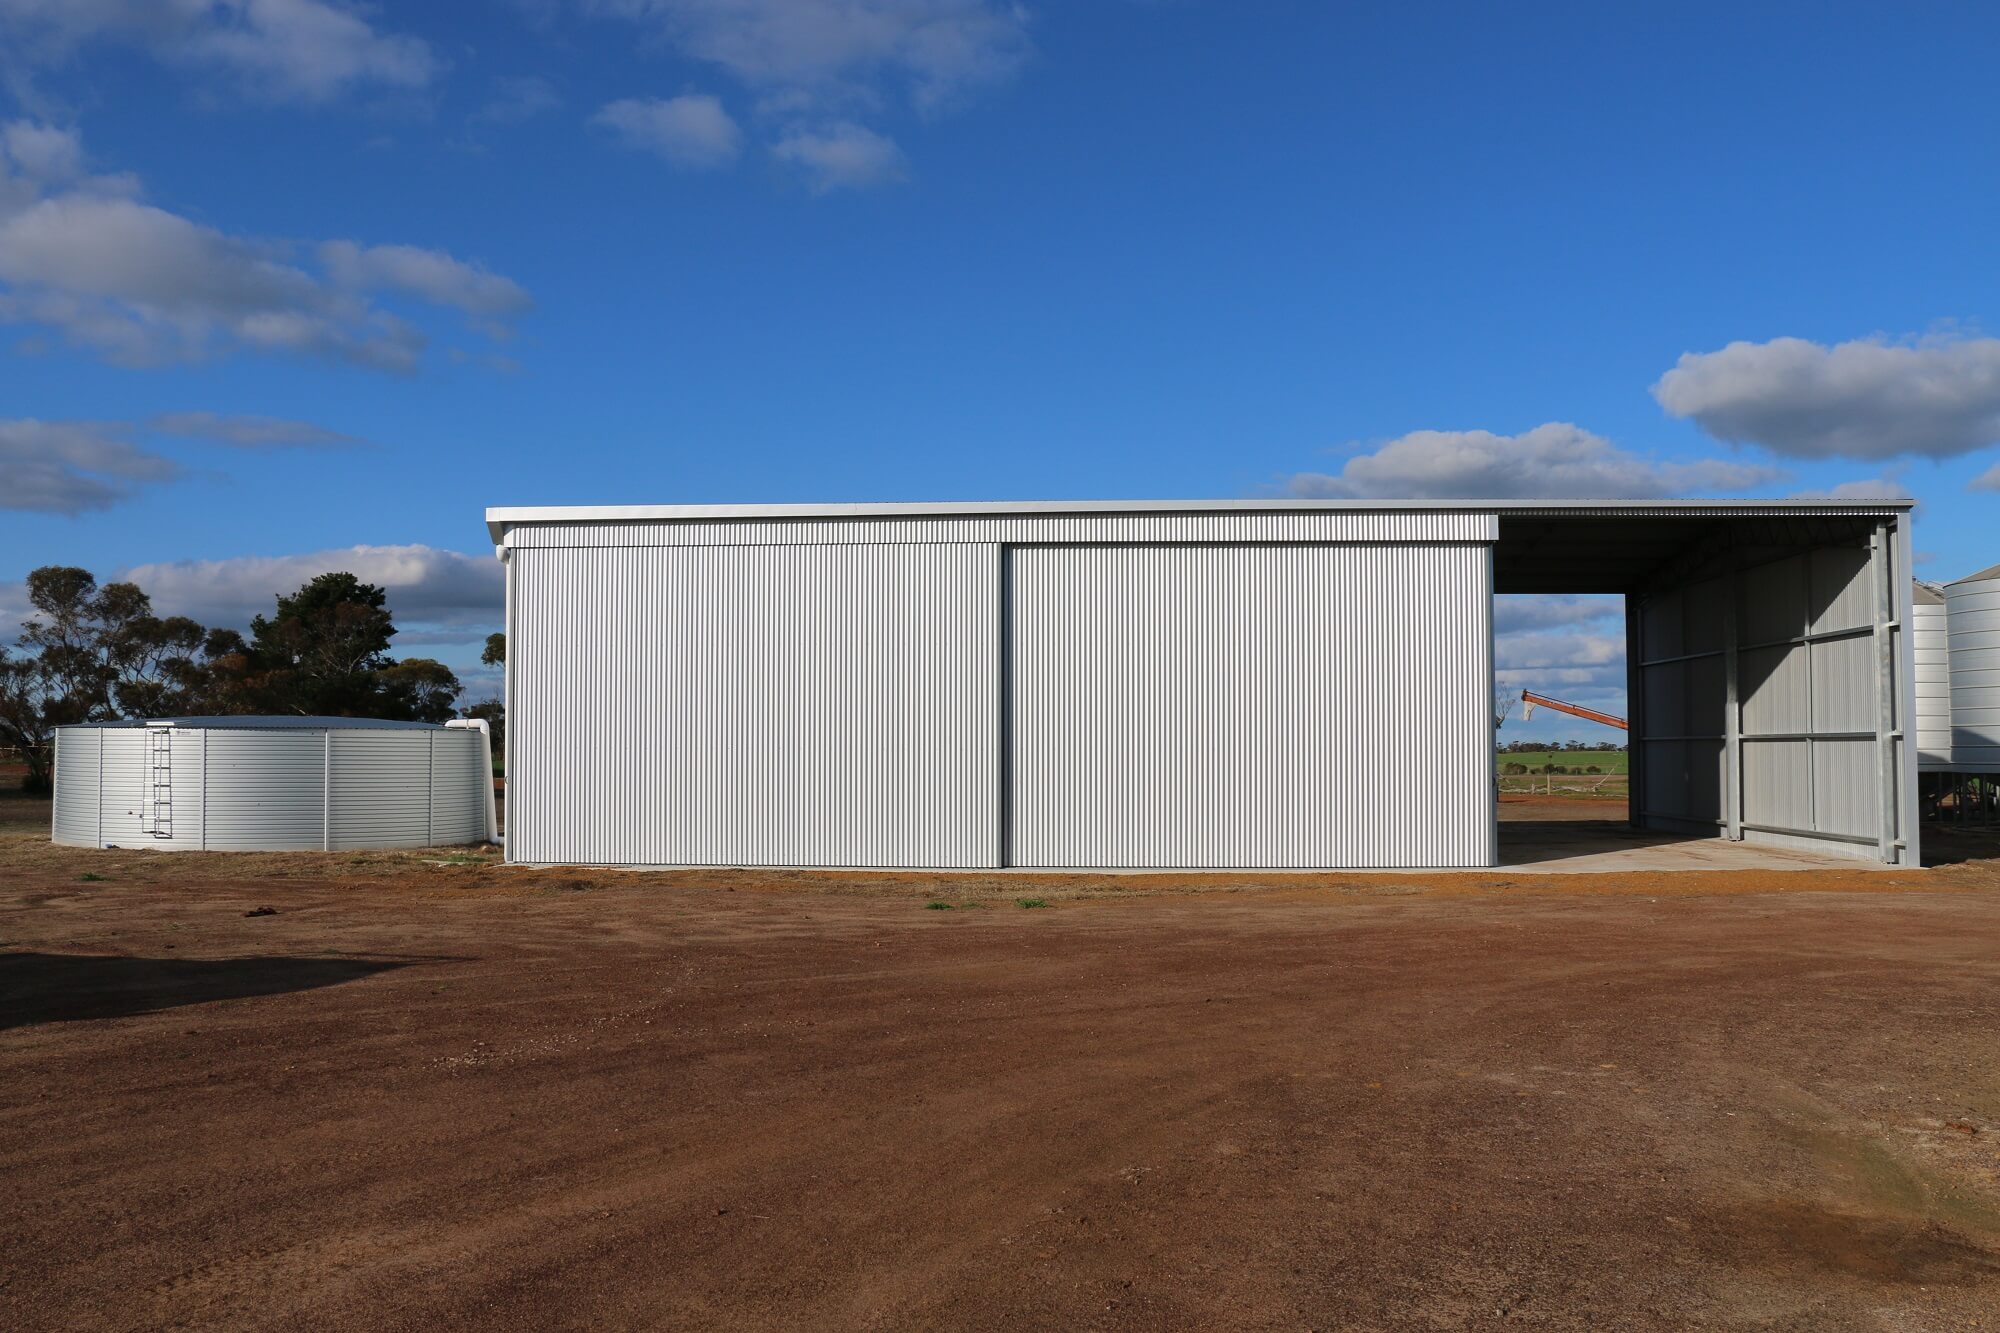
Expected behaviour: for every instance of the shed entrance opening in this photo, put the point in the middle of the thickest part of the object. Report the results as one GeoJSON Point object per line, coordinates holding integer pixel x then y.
{"type": "Point", "coordinates": [1763, 683]}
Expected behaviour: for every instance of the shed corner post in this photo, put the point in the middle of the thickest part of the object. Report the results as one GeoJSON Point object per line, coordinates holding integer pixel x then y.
{"type": "Point", "coordinates": [1882, 569]}
{"type": "Point", "coordinates": [1635, 707]}
{"type": "Point", "coordinates": [1732, 735]}
{"type": "Point", "coordinates": [1488, 705]}
{"type": "Point", "coordinates": [508, 618]}
{"type": "Point", "coordinates": [1904, 757]}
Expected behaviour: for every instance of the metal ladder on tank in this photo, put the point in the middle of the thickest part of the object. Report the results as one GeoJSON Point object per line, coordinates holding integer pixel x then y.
{"type": "Point", "coordinates": [159, 811]}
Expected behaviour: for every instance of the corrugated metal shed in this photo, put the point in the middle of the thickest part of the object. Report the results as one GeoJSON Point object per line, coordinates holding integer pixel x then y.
{"type": "Point", "coordinates": [1207, 683]}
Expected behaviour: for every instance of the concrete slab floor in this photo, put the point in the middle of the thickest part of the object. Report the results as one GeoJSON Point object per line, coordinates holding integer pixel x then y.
{"type": "Point", "coordinates": [1572, 846]}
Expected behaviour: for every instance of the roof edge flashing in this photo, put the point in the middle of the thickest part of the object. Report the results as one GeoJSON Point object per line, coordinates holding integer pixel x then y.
{"type": "Point", "coordinates": [501, 519]}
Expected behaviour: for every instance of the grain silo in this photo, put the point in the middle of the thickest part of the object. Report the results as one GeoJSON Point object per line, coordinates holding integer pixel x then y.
{"type": "Point", "coordinates": [1973, 606]}
{"type": "Point", "coordinates": [273, 784]}
{"type": "Point", "coordinates": [1929, 639]}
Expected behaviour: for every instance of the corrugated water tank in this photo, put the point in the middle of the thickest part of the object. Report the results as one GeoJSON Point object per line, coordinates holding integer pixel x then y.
{"type": "Point", "coordinates": [1972, 605]}
{"type": "Point", "coordinates": [273, 784]}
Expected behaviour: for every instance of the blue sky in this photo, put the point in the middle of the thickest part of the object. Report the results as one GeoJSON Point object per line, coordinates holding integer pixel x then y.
{"type": "Point", "coordinates": [282, 278]}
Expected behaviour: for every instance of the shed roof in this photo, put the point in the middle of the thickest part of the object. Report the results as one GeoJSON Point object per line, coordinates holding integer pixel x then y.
{"type": "Point", "coordinates": [502, 517]}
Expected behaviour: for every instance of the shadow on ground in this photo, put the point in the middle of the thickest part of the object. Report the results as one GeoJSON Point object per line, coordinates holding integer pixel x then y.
{"type": "Point", "coordinates": [1533, 841]}
{"type": "Point", "coordinates": [59, 988]}
{"type": "Point", "coordinates": [1947, 843]}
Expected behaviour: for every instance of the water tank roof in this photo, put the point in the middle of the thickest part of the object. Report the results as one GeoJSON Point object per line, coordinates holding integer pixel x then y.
{"type": "Point", "coordinates": [252, 722]}
{"type": "Point", "coordinates": [1929, 594]}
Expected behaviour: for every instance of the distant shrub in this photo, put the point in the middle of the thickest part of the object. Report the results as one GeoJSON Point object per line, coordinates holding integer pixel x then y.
{"type": "Point", "coordinates": [1514, 770]}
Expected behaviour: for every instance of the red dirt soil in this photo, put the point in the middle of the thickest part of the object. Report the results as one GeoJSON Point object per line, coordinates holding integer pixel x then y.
{"type": "Point", "coordinates": [429, 1096]}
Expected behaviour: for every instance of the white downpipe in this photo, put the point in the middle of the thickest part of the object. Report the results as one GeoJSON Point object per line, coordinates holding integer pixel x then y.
{"type": "Point", "coordinates": [485, 771]}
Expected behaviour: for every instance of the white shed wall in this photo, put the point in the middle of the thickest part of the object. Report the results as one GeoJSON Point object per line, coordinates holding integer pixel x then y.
{"type": "Point", "coordinates": [755, 705]}
{"type": "Point", "coordinates": [1231, 706]}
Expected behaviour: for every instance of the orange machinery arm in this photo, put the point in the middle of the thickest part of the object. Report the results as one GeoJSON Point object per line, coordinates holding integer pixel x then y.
{"type": "Point", "coordinates": [1533, 701]}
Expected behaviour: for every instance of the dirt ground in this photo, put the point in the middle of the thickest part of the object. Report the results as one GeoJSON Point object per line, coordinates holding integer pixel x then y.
{"type": "Point", "coordinates": [423, 1091]}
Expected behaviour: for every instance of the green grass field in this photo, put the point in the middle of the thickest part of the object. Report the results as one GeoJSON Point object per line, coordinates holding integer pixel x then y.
{"type": "Point", "coordinates": [1610, 761]}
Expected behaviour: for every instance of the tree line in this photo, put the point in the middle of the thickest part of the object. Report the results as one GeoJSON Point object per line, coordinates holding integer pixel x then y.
{"type": "Point", "coordinates": [98, 653]}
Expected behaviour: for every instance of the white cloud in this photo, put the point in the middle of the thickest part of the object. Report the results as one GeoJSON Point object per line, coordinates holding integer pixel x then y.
{"type": "Point", "coordinates": [1862, 488]}
{"type": "Point", "coordinates": [141, 285]}
{"type": "Point", "coordinates": [1867, 399]}
{"type": "Point", "coordinates": [816, 66]}
{"type": "Point", "coordinates": [841, 156]}
{"type": "Point", "coordinates": [427, 587]}
{"type": "Point", "coordinates": [1541, 650]}
{"type": "Point", "coordinates": [1516, 613]}
{"type": "Point", "coordinates": [1989, 480]}
{"type": "Point", "coordinates": [288, 50]}
{"type": "Point", "coordinates": [43, 152]}
{"type": "Point", "coordinates": [429, 275]}
{"type": "Point", "coordinates": [250, 432]}
{"type": "Point", "coordinates": [689, 131]}
{"type": "Point", "coordinates": [68, 467]}
{"type": "Point", "coordinates": [818, 52]}
{"type": "Point", "coordinates": [1556, 460]}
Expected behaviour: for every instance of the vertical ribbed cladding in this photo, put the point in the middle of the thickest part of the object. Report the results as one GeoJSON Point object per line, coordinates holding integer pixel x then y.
{"type": "Point", "coordinates": [266, 790]}
{"type": "Point", "coordinates": [459, 780]}
{"type": "Point", "coordinates": [381, 789]}
{"type": "Point", "coordinates": [1973, 607]}
{"type": "Point", "coordinates": [78, 754]}
{"type": "Point", "coordinates": [1240, 706]}
{"type": "Point", "coordinates": [1807, 690]}
{"type": "Point", "coordinates": [756, 705]}
{"type": "Point", "coordinates": [1932, 648]}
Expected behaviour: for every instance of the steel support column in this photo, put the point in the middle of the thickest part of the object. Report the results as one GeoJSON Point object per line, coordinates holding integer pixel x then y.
{"type": "Point", "coordinates": [1882, 577]}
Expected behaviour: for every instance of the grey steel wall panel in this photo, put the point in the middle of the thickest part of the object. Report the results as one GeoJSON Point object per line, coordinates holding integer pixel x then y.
{"type": "Point", "coordinates": [1931, 646]}
{"type": "Point", "coordinates": [1844, 787]}
{"type": "Point", "coordinates": [1707, 605]}
{"type": "Point", "coordinates": [775, 705]}
{"type": "Point", "coordinates": [1843, 684]}
{"type": "Point", "coordinates": [1308, 526]}
{"type": "Point", "coordinates": [1241, 706]}
{"type": "Point", "coordinates": [1973, 606]}
{"type": "Point", "coordinates": [1771, 682]}
{"type": "Point", "coordinates": [1777, 783]}
{"type": "Point", "coordinates": [1665, 696]}
{"type": "Point", "coordinates": [1660, 620]}
{"type": "Point", "coordinates": [1665, 778]}
{"type": "Point", "coordinates": [1773, 602]}
{"type": "Point", "coordinates": [1842, 596]}
{"type": "Point", "coordinates": [74, 820]}
{"type": "Point", "coordinates": [1808, 685]}
{"type": "Point", "coordinates": [375, 775]}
